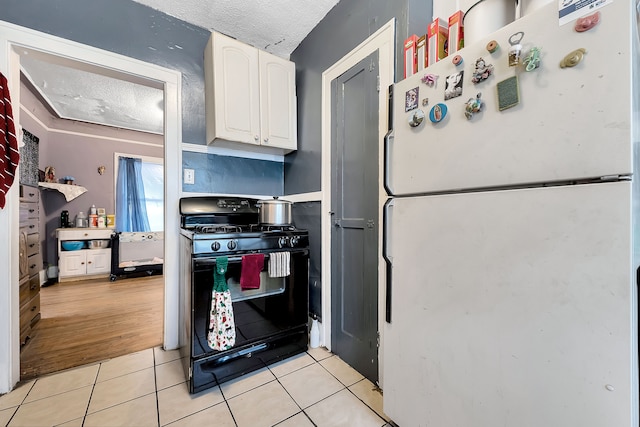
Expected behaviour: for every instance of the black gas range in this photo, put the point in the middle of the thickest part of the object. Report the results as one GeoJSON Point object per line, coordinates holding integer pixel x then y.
{"type": "Point", "coordinates": [230, 225]}
{"type": "Point", "coordinates": [271, 321]}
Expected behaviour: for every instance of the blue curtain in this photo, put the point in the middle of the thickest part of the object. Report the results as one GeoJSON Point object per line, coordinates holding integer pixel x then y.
{"type": "Point", "coordinates": [131, 209]}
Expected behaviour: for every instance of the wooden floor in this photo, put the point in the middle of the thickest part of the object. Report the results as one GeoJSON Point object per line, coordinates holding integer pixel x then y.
{"type": "Point", "coordinates": [89, 321]}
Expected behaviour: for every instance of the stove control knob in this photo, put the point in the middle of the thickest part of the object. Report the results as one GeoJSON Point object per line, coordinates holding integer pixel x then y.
{"type": "Point", "coordinates": [282, 242]}
{"type": "Point", "coordinates": [232, 245]}
{"type": "Point", "coordinates": [215, 246]}
{"type": "Point", "coordinates": [294, 241]}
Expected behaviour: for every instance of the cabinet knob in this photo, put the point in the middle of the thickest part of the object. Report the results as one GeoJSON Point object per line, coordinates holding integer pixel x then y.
{"type": "Point", "coordinates": [82, 263]}
{"type": "Point", "coordinates": [88, 262]}
{"type": "Point", "coordinates": [256, 137]}
{"type": "Point", "coordinates": [266, 140]}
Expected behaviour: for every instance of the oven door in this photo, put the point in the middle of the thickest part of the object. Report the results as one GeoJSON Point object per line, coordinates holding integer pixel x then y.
{"type": "Point", "coordinates": [279, 305]}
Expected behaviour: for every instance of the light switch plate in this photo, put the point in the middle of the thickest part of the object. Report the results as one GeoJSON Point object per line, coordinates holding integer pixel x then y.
{"type": "Point", "coordinates": [189, 176]}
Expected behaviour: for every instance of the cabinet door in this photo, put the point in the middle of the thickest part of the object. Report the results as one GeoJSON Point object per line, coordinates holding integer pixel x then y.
{"type": "Point", "coordinates": [278, 102]}
{"type": "Point", "coordinates": [98, 261]}
{"type": "Point", "coordinates": [72, 263]}
{"type": "Point", "coordinates": [232, 99]}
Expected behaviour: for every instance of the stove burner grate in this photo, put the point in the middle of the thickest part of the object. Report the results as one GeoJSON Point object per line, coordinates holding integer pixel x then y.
{"type": "Point", "coordinates": [264, 227]}
{"type": "Point", "coordinates": [218, 228]}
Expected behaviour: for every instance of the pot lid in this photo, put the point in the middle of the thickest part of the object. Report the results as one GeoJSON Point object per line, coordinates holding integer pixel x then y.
{"type": "Point", "coordinates": [275, 201]}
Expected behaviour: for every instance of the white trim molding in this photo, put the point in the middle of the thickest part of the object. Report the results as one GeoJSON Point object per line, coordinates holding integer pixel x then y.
{"type": "Point", "coordinates": [69, 132]}
{"type": "Point", "coordinates": [231, 152]}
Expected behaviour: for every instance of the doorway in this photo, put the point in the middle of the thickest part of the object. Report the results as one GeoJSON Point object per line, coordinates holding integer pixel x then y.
{"type": "Point", "coordinates": [354, 187]}
{"type": "Point", "coordinates": [383, 42]}
{"type": "Point", "coordinates": [77, 144]}
{"type": "Point", "coordinates": [13, 39]}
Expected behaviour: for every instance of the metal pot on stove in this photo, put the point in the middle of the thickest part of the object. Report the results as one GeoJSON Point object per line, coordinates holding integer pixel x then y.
{"type": "Point", "coordinates": [275, 212]}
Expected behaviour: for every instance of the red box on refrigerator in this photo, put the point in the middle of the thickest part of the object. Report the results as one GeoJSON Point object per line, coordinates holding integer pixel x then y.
{"type": "Point", "coordinates": [410, 65]}
{"type": "Point", "coordinates": [437, 35]}
{"type": "Point", "coordinates": [421, 53]}
{"type": "Point", "coordinates": [456, 32]}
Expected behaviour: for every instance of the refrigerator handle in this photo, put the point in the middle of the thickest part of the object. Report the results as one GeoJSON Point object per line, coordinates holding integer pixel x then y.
{"type": "Point", "coordinates": [387, 257]}
{"type": "Point", "coordinates": [388, 138]}
{"type": "Point", "coordinates": [387, 149]}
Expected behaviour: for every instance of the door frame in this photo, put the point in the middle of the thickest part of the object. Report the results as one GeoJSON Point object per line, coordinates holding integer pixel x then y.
{"type": "Point", "coordinates": [383, 41]}
{"type": "Point", "coordinates": [12, 39]}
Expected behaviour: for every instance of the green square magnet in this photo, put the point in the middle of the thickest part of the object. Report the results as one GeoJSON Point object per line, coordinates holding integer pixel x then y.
{"type": "Point", "coordinates": [508, 93]}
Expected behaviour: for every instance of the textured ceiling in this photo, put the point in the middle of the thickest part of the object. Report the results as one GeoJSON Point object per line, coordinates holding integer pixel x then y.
{"type": "Point", "coordinates": [77, 94]}
{"type": "Point", "coordinates": [277, 26]}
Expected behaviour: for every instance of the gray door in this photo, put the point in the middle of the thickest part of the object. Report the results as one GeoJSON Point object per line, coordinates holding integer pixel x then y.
{"type": "Point", "coordinates": [354, 238]}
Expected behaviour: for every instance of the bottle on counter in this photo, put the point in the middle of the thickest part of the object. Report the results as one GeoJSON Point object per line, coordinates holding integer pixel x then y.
{"type": "Point", "coordinates": [81, 220]}
{"type": "Point", "coordinates": [93, 210]}
{"type": "Point", "coordinates": [64, 219]}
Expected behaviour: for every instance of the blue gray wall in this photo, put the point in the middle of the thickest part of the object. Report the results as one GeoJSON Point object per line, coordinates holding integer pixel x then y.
{"type": "Point", "coordinates": [347, 25]}
{"type": "Point", "coordinates": [137, 31]}
{"type": "Point", "coordinates": [220, 174]}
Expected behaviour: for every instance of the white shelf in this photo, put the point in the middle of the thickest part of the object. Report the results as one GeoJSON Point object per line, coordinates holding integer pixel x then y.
{"type": "Point", "coordinates": [69, 191]}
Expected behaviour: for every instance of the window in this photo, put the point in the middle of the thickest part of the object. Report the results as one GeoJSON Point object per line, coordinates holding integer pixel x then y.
{"type": "Point", "coordinates": [139, 206]}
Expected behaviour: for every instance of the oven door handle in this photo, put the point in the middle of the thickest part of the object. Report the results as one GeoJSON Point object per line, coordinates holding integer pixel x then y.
{"type": "Point", "coordinates": [211, 260]}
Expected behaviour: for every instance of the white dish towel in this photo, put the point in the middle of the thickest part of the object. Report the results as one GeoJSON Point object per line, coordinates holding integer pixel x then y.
{"type": "Point", "coordinates": [279, 264]}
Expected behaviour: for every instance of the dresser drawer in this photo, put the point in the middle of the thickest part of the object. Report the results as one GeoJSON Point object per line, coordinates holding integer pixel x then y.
{"type": "Point", "coordinates": [28, 194]}
{"type": "Point", "coordinates": [29, 315]}
{"type": "Point", "coordinates": [34, 264]}
{"type": "Point", "coordinates": [29, 288]}
{"type": "Point", "coordinates": [33, 244]}
{"type": "Point", "coordinates": [29, 225]}
{"type": "Point", "coordinates": [30, 310]}
{"type": "Point", "coordinates": [28, 210]}
{"type": "Point", "coordinates": [25, 295]}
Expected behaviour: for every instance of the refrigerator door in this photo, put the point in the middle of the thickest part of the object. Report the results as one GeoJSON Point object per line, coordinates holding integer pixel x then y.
{"type": "Point", "coordinates": [511, 308]}
{"type": "Point", "coordinates": [570, 123]}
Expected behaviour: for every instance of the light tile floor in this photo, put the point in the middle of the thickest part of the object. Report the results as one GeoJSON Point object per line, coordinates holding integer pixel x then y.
{"type": "Point", "coordinates": [147, 388]}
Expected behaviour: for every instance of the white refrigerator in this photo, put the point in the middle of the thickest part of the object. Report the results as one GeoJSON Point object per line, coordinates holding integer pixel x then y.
{"type": "Point", "coordinates": [509, 237]}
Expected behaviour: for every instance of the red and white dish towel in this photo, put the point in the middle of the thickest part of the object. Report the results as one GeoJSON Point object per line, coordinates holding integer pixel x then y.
{"type": "Point", "coordinates": [9, 152]}
{"type": "Point", "coordinates": [279, 264]}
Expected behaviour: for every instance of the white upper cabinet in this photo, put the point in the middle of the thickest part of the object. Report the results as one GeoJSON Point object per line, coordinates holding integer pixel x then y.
{"type": "Point", "coordinates": [250, 96]}
{"type": "Point", "coordinates": [277, 102]}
